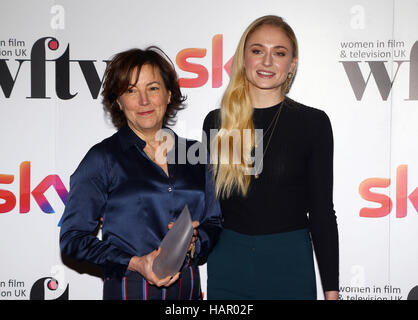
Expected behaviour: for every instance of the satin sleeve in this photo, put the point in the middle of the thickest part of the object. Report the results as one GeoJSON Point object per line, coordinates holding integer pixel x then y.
{"type": "Point", "coordinates": [85, 205]}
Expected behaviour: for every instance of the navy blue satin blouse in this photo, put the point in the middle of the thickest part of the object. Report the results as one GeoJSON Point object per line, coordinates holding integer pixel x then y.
{"type": "Point", "coordinates": [116, 180]}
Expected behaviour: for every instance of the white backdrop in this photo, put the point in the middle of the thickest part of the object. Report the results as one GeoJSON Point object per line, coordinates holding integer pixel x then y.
{"type": "Point", "coordinates": [358, 62]}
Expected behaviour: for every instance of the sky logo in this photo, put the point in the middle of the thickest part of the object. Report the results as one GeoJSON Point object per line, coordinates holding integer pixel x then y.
{"type": "Point", "coordinates": [9, 199]}
{"type": "Point", "coordinates": [385, 201]}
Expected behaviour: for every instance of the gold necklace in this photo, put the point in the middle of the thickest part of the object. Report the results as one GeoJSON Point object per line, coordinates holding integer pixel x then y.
{"type": "Point", "coordinates": [274, 120]}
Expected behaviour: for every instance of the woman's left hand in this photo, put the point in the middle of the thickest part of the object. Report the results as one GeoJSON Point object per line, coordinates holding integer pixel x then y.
{"type": "Point", "coordinates": [143, 265]}
{"type": "Point", "coordinates": [331, 295]}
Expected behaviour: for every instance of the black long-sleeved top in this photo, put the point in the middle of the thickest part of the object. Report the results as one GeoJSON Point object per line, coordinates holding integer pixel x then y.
{"type": "Point", "coordinates": [295, 187]}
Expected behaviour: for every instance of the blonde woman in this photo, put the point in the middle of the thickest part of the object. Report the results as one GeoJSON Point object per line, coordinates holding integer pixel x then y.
{"type": "Point", "coordinates": [277, 210]}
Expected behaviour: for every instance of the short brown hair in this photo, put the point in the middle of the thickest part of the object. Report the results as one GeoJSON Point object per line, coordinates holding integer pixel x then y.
{"type": "Point", "coordinates": [118, 76]}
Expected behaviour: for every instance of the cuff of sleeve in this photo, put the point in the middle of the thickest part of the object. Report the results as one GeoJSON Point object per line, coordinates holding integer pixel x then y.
{"type": "Point", "coordinates": [118, 267]}
{"type": "Point", "coordinates": [198, 247]}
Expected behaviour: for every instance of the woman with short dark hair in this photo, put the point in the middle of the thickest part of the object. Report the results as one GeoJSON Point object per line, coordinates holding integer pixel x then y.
{"type": "Point", "coordinates": [135, 182]}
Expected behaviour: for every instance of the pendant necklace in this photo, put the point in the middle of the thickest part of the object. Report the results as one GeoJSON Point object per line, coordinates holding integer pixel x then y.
{"type": "Point", "coordinates": [273, 121]}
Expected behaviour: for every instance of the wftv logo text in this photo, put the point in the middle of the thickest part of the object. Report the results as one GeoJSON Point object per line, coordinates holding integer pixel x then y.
{"type": "Point", "coordinates": [38, 81]}
{"type": "Point", "coordinates": [380, 74]}
{"type": "Point", "coordinates": [38, 61]}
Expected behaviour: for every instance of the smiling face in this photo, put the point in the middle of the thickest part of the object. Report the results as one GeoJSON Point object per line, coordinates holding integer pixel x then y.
{"type": "Point", "coordinates": [268, 59]}
{"type": "Point", "coordinates": [145, 101]}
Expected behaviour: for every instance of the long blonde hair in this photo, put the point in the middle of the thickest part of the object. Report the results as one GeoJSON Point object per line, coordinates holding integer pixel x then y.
{"type": "Point", "coordinates": [236, 115]}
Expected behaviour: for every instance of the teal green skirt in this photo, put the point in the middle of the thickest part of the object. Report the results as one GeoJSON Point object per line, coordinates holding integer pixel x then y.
{"type": "Point", "coordinates": [263, 267]}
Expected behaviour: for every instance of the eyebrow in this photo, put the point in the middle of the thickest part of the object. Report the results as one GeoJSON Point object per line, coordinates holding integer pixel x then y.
{"type": "Point", "coordinates": [275, 47]}
{"type": "Point", "coordinates": [153, 82]}
{"type": "Point", "coordinates": [148, 84]}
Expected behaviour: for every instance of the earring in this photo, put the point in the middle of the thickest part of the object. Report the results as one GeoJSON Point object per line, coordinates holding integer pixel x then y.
{"type": "Point", "coordinates": [289, 75]}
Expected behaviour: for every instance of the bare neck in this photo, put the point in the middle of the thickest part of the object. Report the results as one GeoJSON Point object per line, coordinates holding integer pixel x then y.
{"type": "Point", "coordinates": [263, 98]}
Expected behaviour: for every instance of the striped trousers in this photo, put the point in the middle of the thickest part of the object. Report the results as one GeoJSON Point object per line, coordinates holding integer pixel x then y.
{"type": "Point", "coordinates": [133, 286]}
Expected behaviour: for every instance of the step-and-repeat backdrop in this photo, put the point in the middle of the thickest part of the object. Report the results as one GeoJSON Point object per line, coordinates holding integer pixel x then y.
{"type": "Point", "coordinates": [358, 62]}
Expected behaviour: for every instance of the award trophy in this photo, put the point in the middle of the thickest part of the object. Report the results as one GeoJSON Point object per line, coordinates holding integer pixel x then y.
{"type": "Point", "coordinates": [174, 246]}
